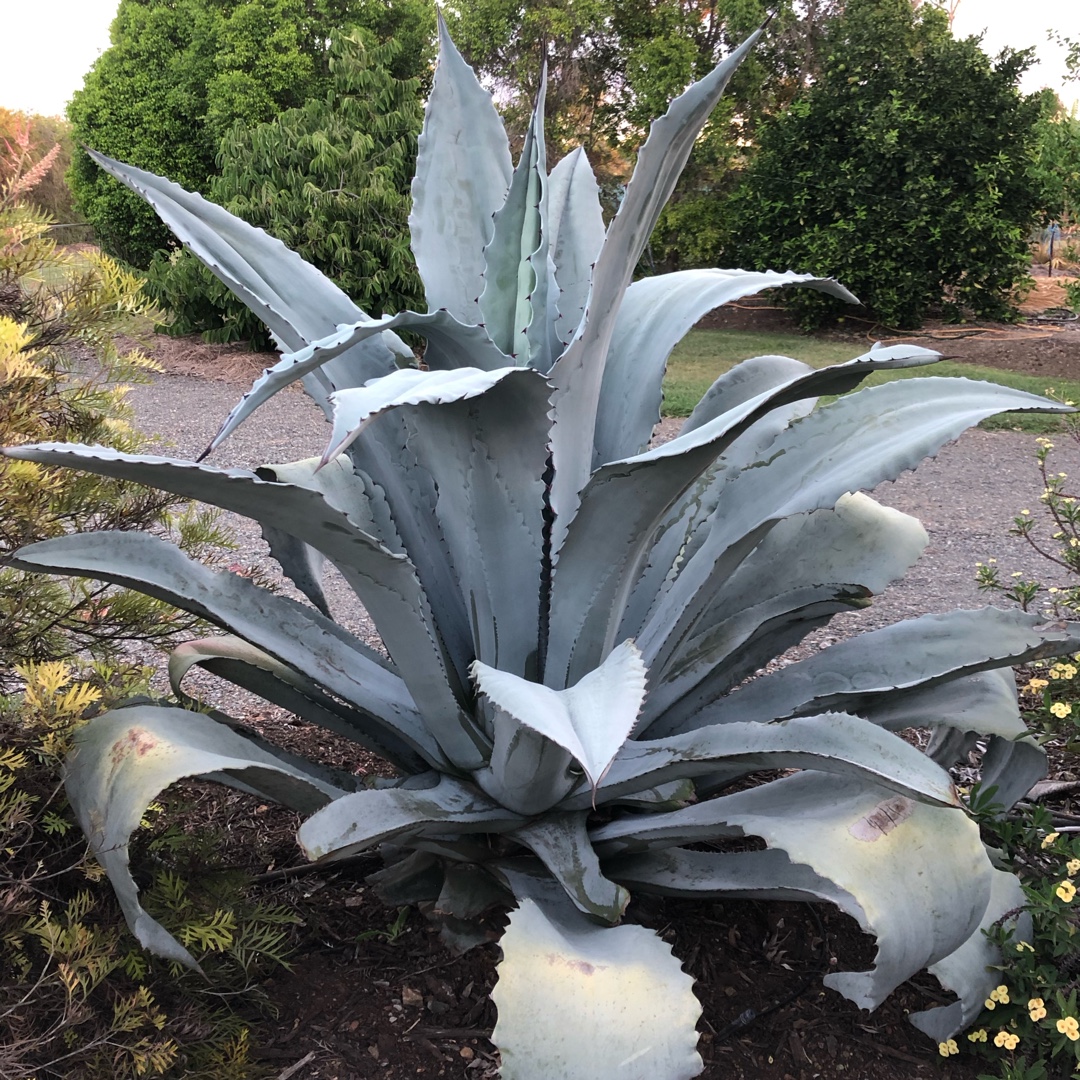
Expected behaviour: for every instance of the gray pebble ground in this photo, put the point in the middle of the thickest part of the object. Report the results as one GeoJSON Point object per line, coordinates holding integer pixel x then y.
{"type": "Point", "coordinates": [966, 498]}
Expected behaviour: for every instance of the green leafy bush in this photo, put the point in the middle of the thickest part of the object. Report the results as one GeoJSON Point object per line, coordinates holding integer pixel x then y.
{"type": "Point", "coordinates": [179, 73]}
{"type": "Point", "coordinates": [330, 179]}
{"type": "Point", "coordinates": [569, 615]}
{"type": "Point", "coordinates": [63, 376]}
{"type": "Point", "coordinates": [905, 170]}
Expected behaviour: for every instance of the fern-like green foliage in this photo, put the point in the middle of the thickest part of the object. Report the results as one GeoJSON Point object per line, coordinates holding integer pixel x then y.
{"type": "Point", "coordinates": [78, 998]}
{"type": "Point", "coordinates": [63, 375]}
{"type": "Point", "coordinates": [330, 179]}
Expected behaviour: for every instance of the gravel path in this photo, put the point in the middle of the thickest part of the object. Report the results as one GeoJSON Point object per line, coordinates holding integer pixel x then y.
{"type": "Point", "coordinates": [966, 497]}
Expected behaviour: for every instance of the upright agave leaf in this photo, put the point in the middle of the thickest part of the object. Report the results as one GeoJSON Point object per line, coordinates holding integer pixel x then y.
{"type": "Point", "coordinates": [567, 617]}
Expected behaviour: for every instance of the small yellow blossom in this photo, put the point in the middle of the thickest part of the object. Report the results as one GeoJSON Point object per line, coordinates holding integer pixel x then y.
{"type": "Point", "coordinates": [1061, 709]}
{"type": "Point", "coordinates": [1003, 1038]}
{"type": "Point", "coordinates": [977, 1036]}
{"type": "Point", "coordinates": [1000, 993]}
{"type": "Point", "coordinates": [1025, 512]}
{"type": "Point", "coordinates": [1066, 891]}
{"type": "Point", "coordinates": [1069, 1027]}
{"type": "Point", "coordinates": [1049, 838]}
{"type": "Point", "coordinates": [1022, 945]}
{"type": "Point", "coordinates": [1072, 867]}
{"type": "Point", "coordinates": [1045, 443]}
{"type": "Point", "coordinates": [1037, 684]}
{"type": "Point", "coordinates": [1036, 1008]}
{"type": "Point", "coordinates": [990, 1004]}
{"type": "Point", "coordinates": [948, 1047]}
{"type": "Point", "coordinates": [1017, 573]}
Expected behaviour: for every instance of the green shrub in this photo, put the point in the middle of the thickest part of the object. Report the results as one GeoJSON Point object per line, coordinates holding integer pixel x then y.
{"type": "Point", "coordinates": [330, 180]}
{"type": "Point", "coordinates": [63, 376]}
{"type": "Point", "coordinates": [905, 170]}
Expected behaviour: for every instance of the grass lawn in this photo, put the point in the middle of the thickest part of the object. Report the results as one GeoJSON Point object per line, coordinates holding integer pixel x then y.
{"type": "Point", "coordinates": [703, 355]}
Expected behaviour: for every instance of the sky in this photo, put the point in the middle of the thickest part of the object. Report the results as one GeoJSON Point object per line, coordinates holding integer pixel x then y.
{"type": "Point", "coordinates": [70, 34]}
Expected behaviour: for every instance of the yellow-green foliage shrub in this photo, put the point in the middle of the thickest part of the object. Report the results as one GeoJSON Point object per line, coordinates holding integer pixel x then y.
{"type": "Point", "coordinates": [62, 376]}
{"type": "Point", "coordinates": [79, 998]}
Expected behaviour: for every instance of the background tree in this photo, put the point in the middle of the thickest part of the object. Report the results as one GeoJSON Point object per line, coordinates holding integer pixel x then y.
{"type": "Point", "coordinates": [180, 73]}
{"type": "Point", "coordinates": [904, 170]}
{"type": "Point", "coordinates": [330, 180]}
{"type": "Point", "coordinates": [615, 64]}
{"type": "Point", "coordinates": [1057, 164]}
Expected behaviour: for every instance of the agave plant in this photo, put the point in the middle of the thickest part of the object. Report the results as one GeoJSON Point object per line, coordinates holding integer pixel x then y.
{"type": "Point", "coordinates": [569, 616]}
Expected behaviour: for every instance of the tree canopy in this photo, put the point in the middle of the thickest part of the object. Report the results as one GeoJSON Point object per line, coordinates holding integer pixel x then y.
{"type": "Point", "coordinates": [330, 180]}
{"type": "Point", "coordinates": [180, 73]}
{"type": "Point", "coordinates": [904, 170]}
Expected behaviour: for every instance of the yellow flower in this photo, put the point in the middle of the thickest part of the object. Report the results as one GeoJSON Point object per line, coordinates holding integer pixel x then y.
{"type": "Point", "coordinates": [977, 1036]}
{"type": "Point", "coordinates": [1036, 1008]}
{"type": "Point", "coordinates": [1037, 684]}
{"type": "Point", "coordinates": [1022, 945]}
{"type": "Point", "coordinates": [1003, 1038]}
{"type": "Point", "coordinates": [1069, 1027]}
{"type": "Point", "coordinates": [948, 1047]}
{"type": "Point", "coordinates": [1001, 994]}
{"type": "Point", "coordinates": [1049, 838]}
{"type": "Point", "coordinates": [1061, 709]}
{"type": "Point", "coordinates": [990, 1003]}
{"type": "Point", "coordinates": [1072, 867]}
{"type": "Point", "coordinates": [1066, 891]}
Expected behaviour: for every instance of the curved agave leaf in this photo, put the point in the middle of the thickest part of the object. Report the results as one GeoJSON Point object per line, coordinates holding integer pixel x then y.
{"type": "Point", "coordinates": [884, 663]}
{"type": "Point", "coordinates": [233, 659]}
{"type": "Point", "coordinates": [487, 457]}
{"type": "Point", "coordinates": [856, 549]}
{"type": "Point", "coordinates": [972, 971]}
{"type": "Point", "coordinates": [459, 345]}
{"type": "Point", "coordinates": [576, 228]}
{"type": "Point", "coordinates": [354, 409]}
{"type": "Point", "coordinates": [833, 742]}
{"type": "Point", "coordinates": [591, 719]}
{"type": "Point", "coordinates": [579, 372]}
{"type": "Point", "coordinates": [771, 875]}
{"type": "Point", "coordinates": [626, 501]}
{"type": "Point", "coordinates": [972, 706]}
{"type": "Point", "coordinates": [345, 489]}
{"type": "Point", "coordinates": [515, 262]}
{"type": "Point", "coordinates": [653, 318]}
{"type": "Point", "coordinates": [463, 171]}
{"type": "Point", "coordinates": [527, 772]}
{"type": "Point", "coordinates": [615, 1004]}
{"type": "Point", "coordinates": [851, 444]}
{"type": "Point", "coordinates": [122, 760]}
{"type": "Point", "coordinates": [297, 636]}
{"type": "Point", "coordinates": [561, 842]}
{"type": "Point", "coordinates": [297, 302]}
{"type": "Point", "coordinates": [385, 582]}
{"type": "Point", "coordinates": [916, 876]}
{"type": "Point", "coordinates": [432, 802]}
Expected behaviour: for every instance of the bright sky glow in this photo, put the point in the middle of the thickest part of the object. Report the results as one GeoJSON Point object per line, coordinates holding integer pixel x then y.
{"type": "Point", "coordinates": [52, 43]}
